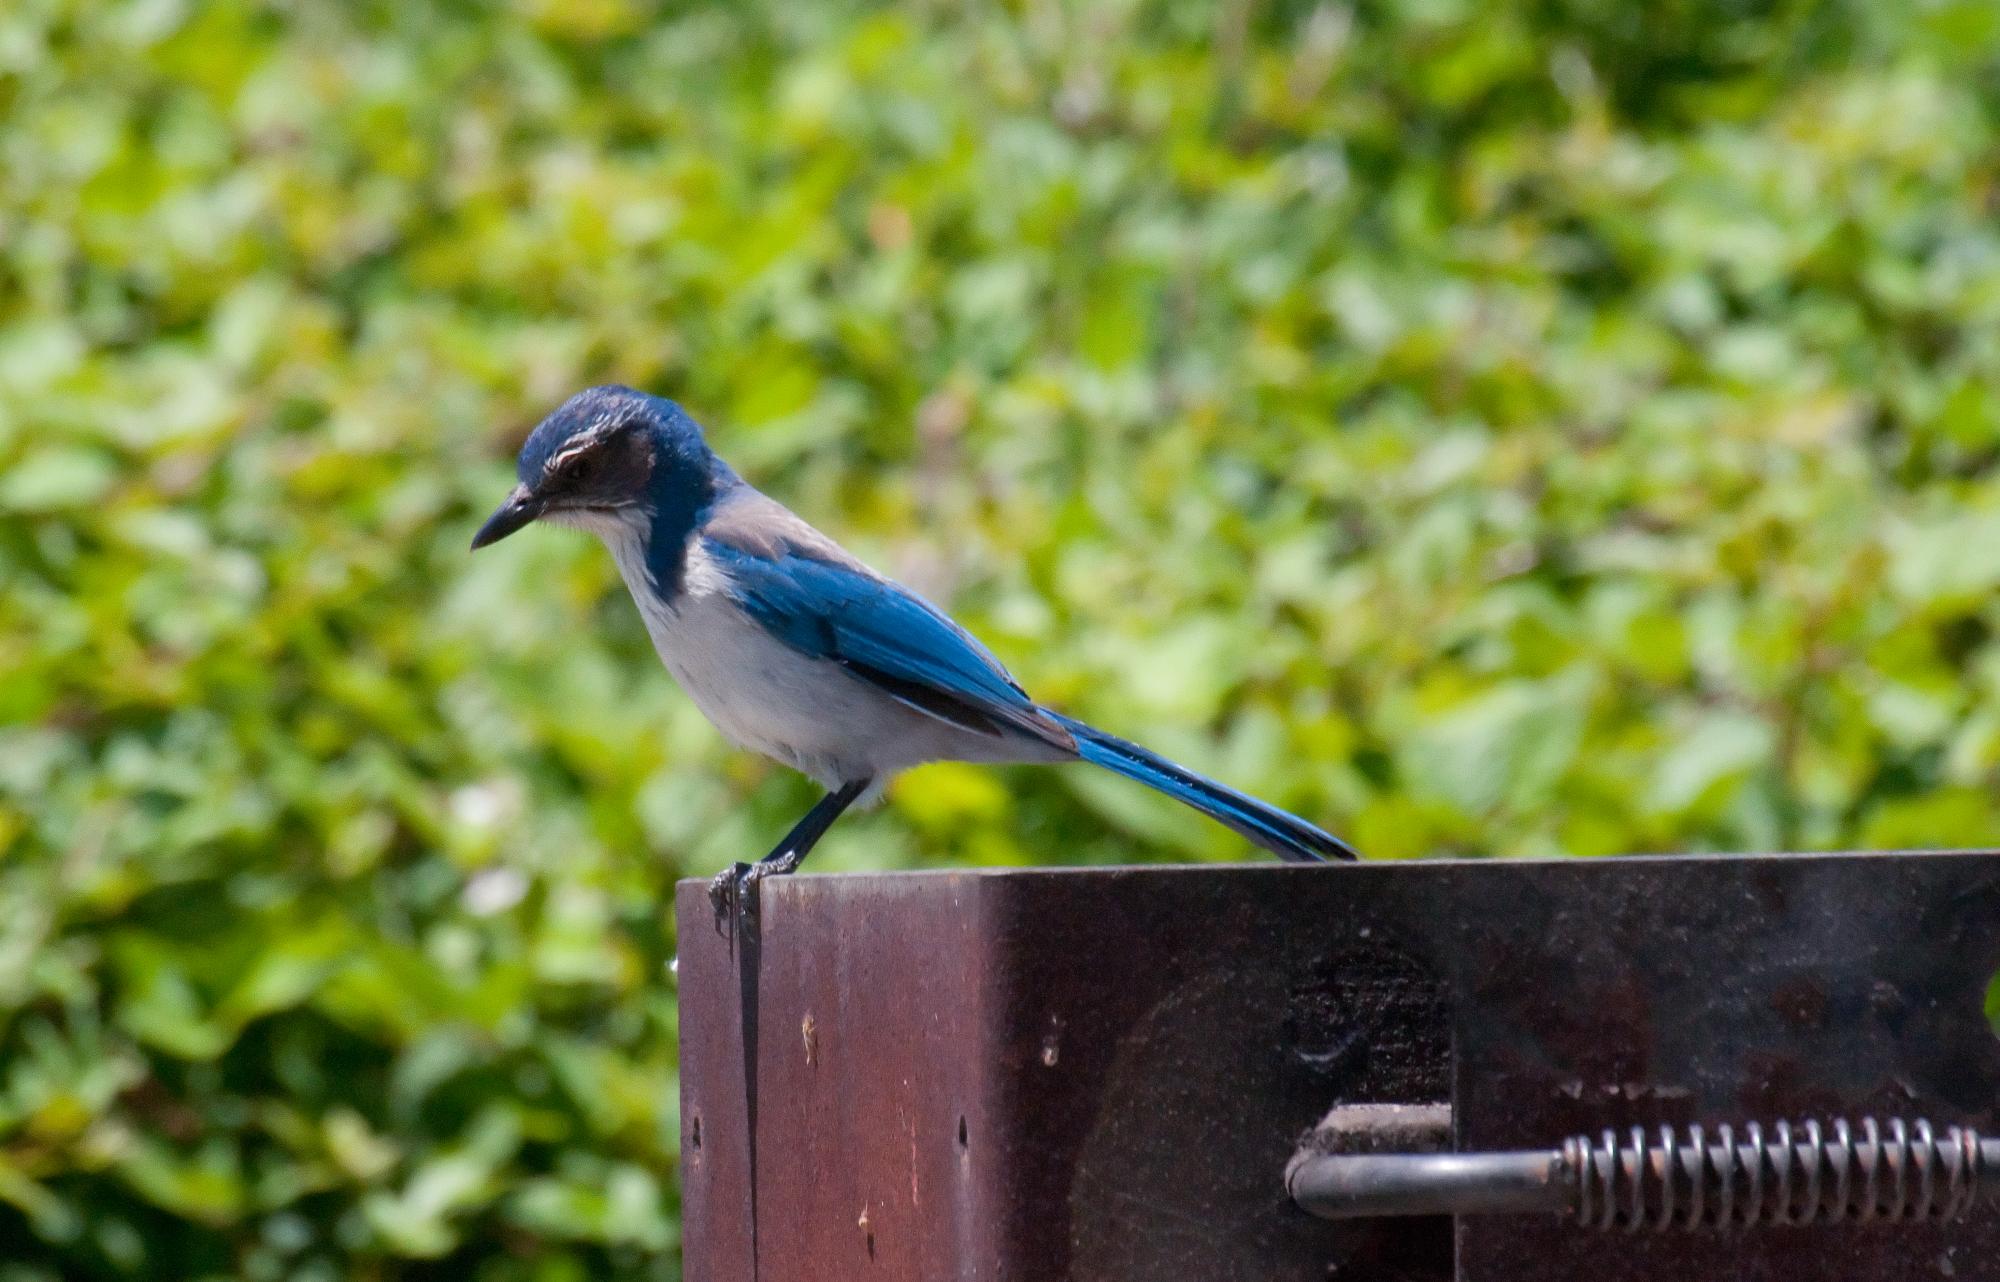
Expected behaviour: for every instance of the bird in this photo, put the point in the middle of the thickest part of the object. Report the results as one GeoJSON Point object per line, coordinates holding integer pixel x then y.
{"type": "Point", "coordinates": [794, 648]}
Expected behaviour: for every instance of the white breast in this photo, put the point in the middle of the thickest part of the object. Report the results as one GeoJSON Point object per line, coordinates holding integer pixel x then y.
{"type": "Point", "coordinates": [765, 696]}
{"type": "Point", "coordinates": [808, 713]}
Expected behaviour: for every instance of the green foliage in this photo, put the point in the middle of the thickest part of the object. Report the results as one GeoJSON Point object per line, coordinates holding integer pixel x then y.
{"type": "Point", "coordinates": [1517, 427]}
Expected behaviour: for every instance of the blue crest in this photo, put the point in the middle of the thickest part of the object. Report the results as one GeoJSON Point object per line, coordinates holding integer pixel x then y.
{"type": "Point", "coordinates": [686, 476]}
{"type": "Point", "coordinates": [675, 435]}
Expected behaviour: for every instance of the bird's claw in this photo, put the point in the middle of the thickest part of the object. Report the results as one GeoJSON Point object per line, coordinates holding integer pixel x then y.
{"type": "Point", "coordinates": [734, 890]}
{"type": "Point", "coordinates": [727, 890]}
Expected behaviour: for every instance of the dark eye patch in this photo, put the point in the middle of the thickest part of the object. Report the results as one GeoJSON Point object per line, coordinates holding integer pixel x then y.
{"type": "Point", "coordinates": [606, 467]}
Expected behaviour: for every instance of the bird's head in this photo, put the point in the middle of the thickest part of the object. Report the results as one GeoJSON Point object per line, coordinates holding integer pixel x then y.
{"type": "Point", "coordinates": [605, 456]}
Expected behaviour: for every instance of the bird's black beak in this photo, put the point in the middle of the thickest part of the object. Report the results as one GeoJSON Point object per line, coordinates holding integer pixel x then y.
{"type": "Point", "coordinates": [520, 508]}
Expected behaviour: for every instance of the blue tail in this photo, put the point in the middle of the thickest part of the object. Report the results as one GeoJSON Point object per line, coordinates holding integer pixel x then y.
{"type": "Point", "coordinates": [1286, 836]}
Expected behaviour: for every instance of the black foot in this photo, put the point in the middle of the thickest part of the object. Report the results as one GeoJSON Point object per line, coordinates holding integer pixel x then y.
{"type": "Point", "coordinates": [734, 890]}
{"type": "Point", "coordinates": [726, 891]}
{"type": "Point", "coordinates": [773, 866]}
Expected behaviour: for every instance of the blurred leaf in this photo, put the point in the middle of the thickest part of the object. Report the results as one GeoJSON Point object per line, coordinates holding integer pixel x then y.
{"type": "Point", "coordinates": [1716, 748]}
{"type": "Point", "coordinates": [1485, 429]}
{"type": "Point", "coordinates": [51, 479]}
{"type": "Point", "coordinates": [1511, 743]}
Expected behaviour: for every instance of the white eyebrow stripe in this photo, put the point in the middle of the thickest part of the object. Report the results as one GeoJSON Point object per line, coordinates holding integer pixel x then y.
{"type": "Point", "coordinates": [584, 440]}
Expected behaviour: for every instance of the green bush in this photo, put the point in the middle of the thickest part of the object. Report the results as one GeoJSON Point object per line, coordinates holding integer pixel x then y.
{"type": "Point", "coordinates": [1510, 427]}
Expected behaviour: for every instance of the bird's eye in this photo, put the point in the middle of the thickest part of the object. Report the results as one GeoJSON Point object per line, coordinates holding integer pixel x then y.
{"type": "Point", "coordinates": [577, 470]}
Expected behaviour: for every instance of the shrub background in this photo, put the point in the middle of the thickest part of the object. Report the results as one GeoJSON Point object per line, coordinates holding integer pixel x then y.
{"type": "Point", "coordinates": [1489, 426]}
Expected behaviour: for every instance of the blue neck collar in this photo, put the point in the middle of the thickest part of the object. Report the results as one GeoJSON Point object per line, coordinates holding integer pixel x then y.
{"type": "Point", "coordinates": [679, 496]}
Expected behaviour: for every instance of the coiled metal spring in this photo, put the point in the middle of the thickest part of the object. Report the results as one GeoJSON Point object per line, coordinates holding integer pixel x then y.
{"type": "Point", "coordinates": [1790, 1173]}
{"type": "Point", "coordinates": [1805, 1174]}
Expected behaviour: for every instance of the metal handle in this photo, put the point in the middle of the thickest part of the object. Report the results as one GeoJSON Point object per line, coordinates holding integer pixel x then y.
{"type": "Point", "coordinates": [1805, 1174]}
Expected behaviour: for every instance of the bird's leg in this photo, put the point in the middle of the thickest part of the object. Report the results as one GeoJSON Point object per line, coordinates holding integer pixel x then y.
{"type": "Point", "coordinates": [737, 883]}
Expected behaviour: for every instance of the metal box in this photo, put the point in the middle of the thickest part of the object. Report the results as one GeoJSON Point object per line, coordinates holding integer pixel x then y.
{"type": "Point", "coordinates": [1100, 1075]}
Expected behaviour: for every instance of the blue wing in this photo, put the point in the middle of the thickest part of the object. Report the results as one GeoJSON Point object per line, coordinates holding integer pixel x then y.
{"type": "Point", "coordinates": [888, 636]}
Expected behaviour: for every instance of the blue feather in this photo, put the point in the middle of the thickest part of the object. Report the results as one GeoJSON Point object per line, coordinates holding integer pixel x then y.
{"type": "Point", "coordinates": [884, 634]}
{"type": "Point", "coordinates": [1284, 835]}
{"type": "Point", "coordinates": [888, 636]}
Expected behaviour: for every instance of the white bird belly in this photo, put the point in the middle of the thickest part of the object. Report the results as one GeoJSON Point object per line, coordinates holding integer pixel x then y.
{"type": "Point", "coordinates": [769, 698]}
{"type": "Point", "coordinates": [811, 714]}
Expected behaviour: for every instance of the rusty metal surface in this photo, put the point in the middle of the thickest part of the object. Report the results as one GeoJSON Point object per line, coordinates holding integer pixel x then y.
{"type": "Point", "coordinates": [1681, 993]}
{"type": "Point", "coordinates": [1134, 1054]}
{"type": "Point", "coordinates": [867, 1024]}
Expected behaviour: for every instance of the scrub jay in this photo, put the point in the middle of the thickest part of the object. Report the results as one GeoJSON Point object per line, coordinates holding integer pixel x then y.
{"type": "Point", "coordinates": [794, 648]}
